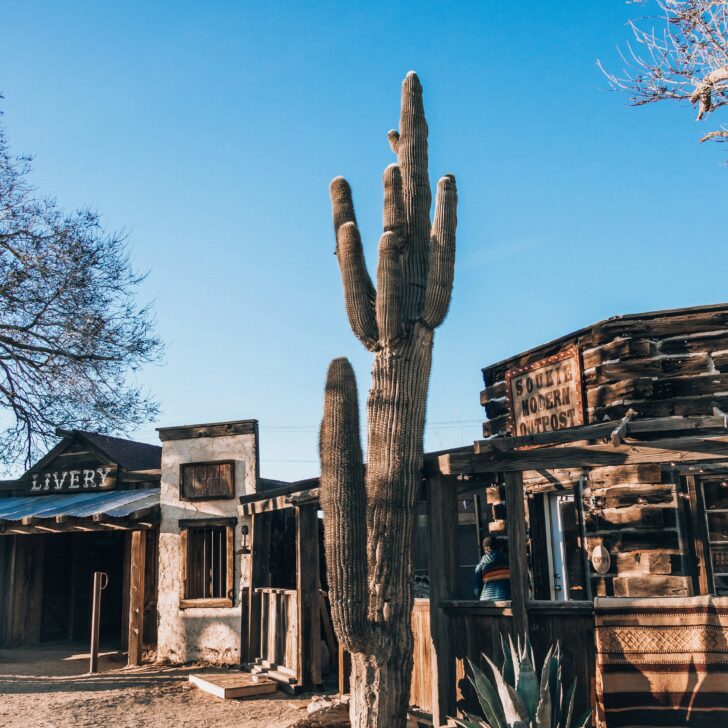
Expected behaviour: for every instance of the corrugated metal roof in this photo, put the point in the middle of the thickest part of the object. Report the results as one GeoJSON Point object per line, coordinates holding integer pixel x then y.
{"type": "Point", "coordinates": [116, 504]}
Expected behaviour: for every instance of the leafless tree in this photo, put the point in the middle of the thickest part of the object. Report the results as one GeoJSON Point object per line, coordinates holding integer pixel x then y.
{"type": "Point", "coordinates": [687, 59]}
{"type": "Point", "coordinates": [70, 330]}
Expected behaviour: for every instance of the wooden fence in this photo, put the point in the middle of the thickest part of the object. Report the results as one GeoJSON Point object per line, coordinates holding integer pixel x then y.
{"type": "Point", "coordinates": [278, 627]}
{"type": "Point", "coordinates": [476, 629]}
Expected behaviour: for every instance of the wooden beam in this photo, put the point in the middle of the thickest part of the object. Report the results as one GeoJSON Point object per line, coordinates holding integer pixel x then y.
{"type": "Point", "coordinates": [442, 521]}
{"type": "Point", "coordinates": [672, 450]}
{"type": "Point", "coordinates": [136, 597]}
{"type": "Point", "coordinates": [307, 586]}
{"type": "Point", "coordinates": [620, 431]}
{"type": "Point", "coordinates": [601, 430]}
{"type": "Point", "coordinates": [517, 557]}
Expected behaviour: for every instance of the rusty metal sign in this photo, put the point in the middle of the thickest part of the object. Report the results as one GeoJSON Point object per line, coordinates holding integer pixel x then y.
{"type": "Point", "coordinates": [546, 395]}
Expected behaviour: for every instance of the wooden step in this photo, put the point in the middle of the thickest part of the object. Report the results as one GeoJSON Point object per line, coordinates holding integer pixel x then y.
{"type": "Point", "coordinates": [234, 685]}
{"type": "Point", "coordinates": [277, 675]}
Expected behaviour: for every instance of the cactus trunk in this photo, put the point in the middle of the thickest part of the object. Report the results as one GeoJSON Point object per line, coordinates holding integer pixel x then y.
{"type": "Point", "coordinates": [369, 517]}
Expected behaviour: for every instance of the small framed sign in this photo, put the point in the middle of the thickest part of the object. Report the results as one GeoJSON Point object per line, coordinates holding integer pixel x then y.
{"type": "Point", "coordinates": [546, 395]}
{"type": "Point", "coordinates": [601, 559]}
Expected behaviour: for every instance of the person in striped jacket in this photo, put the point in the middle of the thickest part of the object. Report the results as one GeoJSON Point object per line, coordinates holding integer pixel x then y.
{"type": "Point", "coordinates": [492, 577]}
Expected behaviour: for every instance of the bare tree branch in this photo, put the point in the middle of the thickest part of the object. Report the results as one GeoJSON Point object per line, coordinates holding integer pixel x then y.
{"type": "Point", "coordinates": [70, 329]}
{"type": "Point", "coordinates": [686, 60]}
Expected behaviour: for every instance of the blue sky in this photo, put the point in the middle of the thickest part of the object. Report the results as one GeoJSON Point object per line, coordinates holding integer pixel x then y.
{"type": "Point", "coordinates": [210, 131]}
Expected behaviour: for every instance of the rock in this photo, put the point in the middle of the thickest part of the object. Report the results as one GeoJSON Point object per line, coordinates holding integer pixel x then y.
{"type": "Point", "coordinates": [326, 712]}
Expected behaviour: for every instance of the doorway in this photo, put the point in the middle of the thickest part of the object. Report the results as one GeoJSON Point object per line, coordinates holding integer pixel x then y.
{"type": "Point", "coordinates": [566, 563]}
{"type": "Point", "coordinates": [70, 562]}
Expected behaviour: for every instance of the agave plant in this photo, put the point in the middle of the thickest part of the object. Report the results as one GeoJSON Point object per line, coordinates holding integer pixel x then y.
{"type": "Point", "coordinates": [519, 699]}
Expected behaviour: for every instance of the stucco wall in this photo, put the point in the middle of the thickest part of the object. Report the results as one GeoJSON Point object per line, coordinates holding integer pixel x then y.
{"type": "Point", "coordinates": [208, 634]}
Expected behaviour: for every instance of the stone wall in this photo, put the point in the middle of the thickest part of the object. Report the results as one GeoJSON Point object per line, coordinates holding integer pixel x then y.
{"type": "Point", "coordinates": [193, 633]}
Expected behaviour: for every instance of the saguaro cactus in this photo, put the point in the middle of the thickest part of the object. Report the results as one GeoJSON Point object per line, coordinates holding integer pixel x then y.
{"type": "Point", "coordinates": [369, 512]}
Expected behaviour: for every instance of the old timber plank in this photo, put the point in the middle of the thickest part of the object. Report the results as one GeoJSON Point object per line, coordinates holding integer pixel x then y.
{"type": "Point", "coordinates": [234, 685]}
{"type": "Point", "coordinates": [669, 450]}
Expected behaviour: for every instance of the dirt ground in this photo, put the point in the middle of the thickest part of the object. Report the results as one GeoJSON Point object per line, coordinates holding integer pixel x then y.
{"type": "Point", "coordinates": [50, 687]}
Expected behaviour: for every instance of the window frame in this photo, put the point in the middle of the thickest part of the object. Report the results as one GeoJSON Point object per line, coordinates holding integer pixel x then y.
{"type": "Point", "coordinates": [206, 602]}
{"type": "Point", "coordinates": [190, 499]}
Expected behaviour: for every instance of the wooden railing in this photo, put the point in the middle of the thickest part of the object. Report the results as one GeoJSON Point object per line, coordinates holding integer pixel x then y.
{"type": "Point", "coordinates": [278, 627]}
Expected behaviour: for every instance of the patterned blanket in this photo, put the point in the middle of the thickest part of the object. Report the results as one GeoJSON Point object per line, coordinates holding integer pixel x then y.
{"type": "Point", "coordinates": [662, 662]}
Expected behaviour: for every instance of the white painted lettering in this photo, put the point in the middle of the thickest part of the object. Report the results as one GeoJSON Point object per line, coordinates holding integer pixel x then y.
{"type": "Point", "coordinates": [46, 485]}
{"type": "Point", "coordinates": [74, 484]}
{"type": "Point", "coordinates": [36, 485]}
{"type": "Point", "coordinates": [59, 483]}
{"type": "Point", "coordinates": [88, 478]}
{"type": "Point", "coordinates": [103, 472]}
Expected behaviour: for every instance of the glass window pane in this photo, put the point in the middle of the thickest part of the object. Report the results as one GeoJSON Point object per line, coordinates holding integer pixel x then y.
{"type": "Point", "coordinates": [716, 494]}
{"type": "Point", "coordinates": [574, 562]}
{"type": "Point", "coordinates": [717, 526]}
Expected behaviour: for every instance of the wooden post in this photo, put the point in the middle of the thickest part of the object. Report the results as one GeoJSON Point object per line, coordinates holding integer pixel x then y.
{"type": "Point", "coordinates": [259, 577]}
{"type": "Point", "coordinates": [442, 520]}
{"type": "Point", "coordinates": [136, 597]}
{"type": "Point", "coordinates": [125, 591]}
{"type": "Point", "coordinates": [307, 581]}
{"type": "Point", "coordinates": [704, 577]}
{"type": "Point", "coordinates": [101, 581]}
{"type": "Point", "coordinates": [517, 558]}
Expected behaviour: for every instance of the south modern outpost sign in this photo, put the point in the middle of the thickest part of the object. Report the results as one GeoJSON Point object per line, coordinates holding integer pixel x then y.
{"type": "Point", "coordinates": [546, 395]}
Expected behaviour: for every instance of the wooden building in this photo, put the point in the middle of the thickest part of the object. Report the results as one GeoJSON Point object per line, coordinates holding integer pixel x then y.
{"type": "Point", "coordinates": [160, 522]}
{"type": "Point", "coordinates": [604, 464]}
{"type": "Point", "coordinates": [91, 504]}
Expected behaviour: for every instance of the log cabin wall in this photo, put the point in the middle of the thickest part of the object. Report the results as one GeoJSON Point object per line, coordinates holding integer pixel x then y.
{"type": "Point", "coordinates": [657, 365]}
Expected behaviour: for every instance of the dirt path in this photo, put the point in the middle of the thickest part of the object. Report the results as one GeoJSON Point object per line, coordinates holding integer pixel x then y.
{"type": "Point", "coordinates": [44, 688]}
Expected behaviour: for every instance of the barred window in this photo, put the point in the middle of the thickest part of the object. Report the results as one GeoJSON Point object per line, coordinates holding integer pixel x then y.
{"type": "Point", "coordinates": [207, 557]}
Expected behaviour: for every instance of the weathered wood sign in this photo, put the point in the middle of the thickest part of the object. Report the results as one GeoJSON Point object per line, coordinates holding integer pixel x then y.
{"type": "Point", "coordinates": [546, 395]}
{"type": "Point", "coordinates": [74, 480]}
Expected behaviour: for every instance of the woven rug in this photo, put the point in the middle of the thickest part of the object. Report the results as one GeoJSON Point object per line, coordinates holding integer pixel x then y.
{"type": "Point", "coordinates": [662, 662]}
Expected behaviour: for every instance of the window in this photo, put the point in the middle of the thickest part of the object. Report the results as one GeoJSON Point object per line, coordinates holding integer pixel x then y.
{"type": "Point", "coordinates": [715, 498]}
{"type": "Point", "coordinates": [207, 481]}
{"type": "Point", "coordinates": [207, 563]}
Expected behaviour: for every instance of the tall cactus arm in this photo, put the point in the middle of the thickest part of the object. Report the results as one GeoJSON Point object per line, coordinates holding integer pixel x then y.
{"type": "Point", "coordinates": [389, 284]}
{"type": "Point", "coordinates": [441, 269]}
{"type": "Point", "coordinates": [393, 217]}
{"type": "Point", "coordinates": [412, 158]}
{"type": "Point", "coordinates": [343, 500]}
{"type": "Point", "coordinates": [359, 294]}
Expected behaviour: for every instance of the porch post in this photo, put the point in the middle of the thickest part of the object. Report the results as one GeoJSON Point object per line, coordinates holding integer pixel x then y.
{"type": "Point", "coordinates": [518, 562]}
{"type": "Point", "coordinates": [137, 572]}
{"type": "Point", "coordinates": [442, 520]}
{"type": "Point", "coordinates": [307, 602]}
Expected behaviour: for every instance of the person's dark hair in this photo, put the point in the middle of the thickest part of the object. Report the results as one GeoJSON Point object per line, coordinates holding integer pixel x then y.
{"type": "Point", "coordinates": [493, 543]}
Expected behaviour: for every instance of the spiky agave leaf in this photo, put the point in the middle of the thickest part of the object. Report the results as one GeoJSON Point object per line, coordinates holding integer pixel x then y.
{"type": "Point", "coordinates": [508, 670]}
{"type": "Point", "coordinates": [471, 722]}
{"type": "Point", "coordinates": [543, 711]}
{"type": "Point", "coordinates": [488, 698]}
{"type": "Point", "coordinates": [528, 687]}
{"type": "Point", "coordinates": [569, 704]}
{"type": "Point", "coordinates": [555, 687]}
{"type": "Point", "coordinates": [515, 659]}
{"type": "Point", "coordinates": [514, 708]}
{"type": "Point", "coordinates": [585, 721]}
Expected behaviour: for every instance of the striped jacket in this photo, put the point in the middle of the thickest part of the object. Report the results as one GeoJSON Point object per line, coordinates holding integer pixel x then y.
{"type": "Point", "coordinates": [492, 578]}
